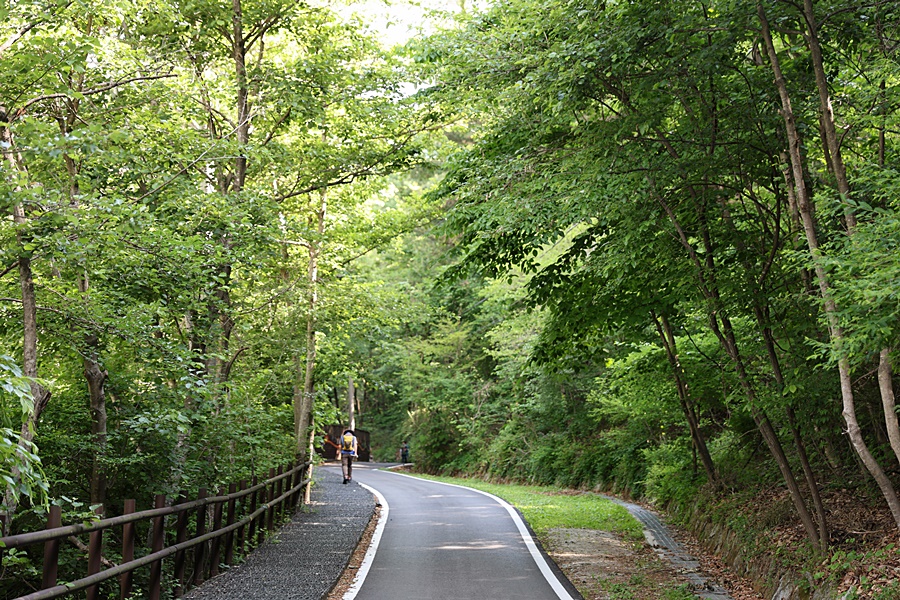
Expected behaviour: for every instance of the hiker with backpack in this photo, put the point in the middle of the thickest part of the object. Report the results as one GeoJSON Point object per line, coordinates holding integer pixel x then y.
{"type": "Point", "coordinates": [404, 452]}
{"type": "Point", "coordinates": [348, 452]}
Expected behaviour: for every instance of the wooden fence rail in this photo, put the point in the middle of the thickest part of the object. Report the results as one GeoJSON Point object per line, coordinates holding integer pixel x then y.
{"type": "Point", "coordinates": [249, 512]}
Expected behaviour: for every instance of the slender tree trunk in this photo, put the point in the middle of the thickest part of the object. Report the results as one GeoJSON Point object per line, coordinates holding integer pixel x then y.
{"type": "Point", "coordinates": [805, 276]}
{"type": "Point", "coordinates": [886, 386]}
{"type": "Point", "coordinates": [94, 374]}
{"type": "Point", "coordinates": [304, 399]}
{"type": "Point", "coordinates": [706, 274]}
{"type": "Point", "coordinates": [239, 50]}
{"type": "Point", "coordinates": [221, 322]}
{"type": "Point", "coordinates": [837, 334]}
{"type": "Point", "coordinates": [304, 395]}
{"type": "Point", "coordinates": [40, 396]}
{"type": "Point", "coordinates": [755, 284]}
{"type": "Point", "coordinates": [818, 505]}
{"type": "Point", "coordinates": [882, 126]}
{"type": "Point", "coordinates": [826, 110]}
{"type": "Point", "coordinates": [667, 336]}
{"type": "Point", "coordinates": [351, 401]}
{"type": "Point", "coordinates": [96, 378]}
{"type": "Point", "coordinates": [885, 370]}
{"type": "Point", "coordinates": [767, 431]}
{"type": "Point", "coordinates": [715, 311]}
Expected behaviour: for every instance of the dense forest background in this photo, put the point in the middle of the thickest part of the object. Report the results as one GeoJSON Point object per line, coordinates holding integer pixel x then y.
{"type": "Point", "coordinates": [648, 247]}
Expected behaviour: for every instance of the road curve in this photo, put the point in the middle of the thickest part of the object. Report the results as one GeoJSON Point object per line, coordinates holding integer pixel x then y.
{"type": "Point", "coordinates": [448, 542]}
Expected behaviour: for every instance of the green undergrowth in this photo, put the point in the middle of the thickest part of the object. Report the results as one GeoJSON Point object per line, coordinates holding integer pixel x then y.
{"type": "Point", "coordinates": [546, 507]}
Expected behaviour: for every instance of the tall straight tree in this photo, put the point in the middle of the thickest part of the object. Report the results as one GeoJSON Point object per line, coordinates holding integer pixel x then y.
{"type": "Point", "coordinates": [811, 230]}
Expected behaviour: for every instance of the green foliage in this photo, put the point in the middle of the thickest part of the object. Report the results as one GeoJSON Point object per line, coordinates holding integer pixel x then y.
{"type": "Point", "coordinates": [864, 272]}
{"type": "Point", "coordinates": [20, 469]}
{"type": "Point", "coordinates": [668, 468]}
{"type": "Point", "coordinates": [20, 465]}
{"type": "Point", "coordinates": [16, 387]}
{"type": "Point", "coordinates": [169, 228]}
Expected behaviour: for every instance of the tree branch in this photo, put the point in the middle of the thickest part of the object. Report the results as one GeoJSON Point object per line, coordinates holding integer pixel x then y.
{"type": "Point", "coordinates": [253, 36]}
{"type": "Point", "coordinates": [84, 548]}
{"type": "Point", "coordinates": [275, 127]}
{"type": "Point", "coordinates": [9, 268]}
{"type": "Point", "coordinates": [293, 243]}
{"type": "Point", "coordinates": [226, 370]}
{"type": "Point", "coordinates": [348, 178]}
{"type": "Point", "coordinates": [17, 36]}
{"type": "Point", "coordinates": [98, 90]}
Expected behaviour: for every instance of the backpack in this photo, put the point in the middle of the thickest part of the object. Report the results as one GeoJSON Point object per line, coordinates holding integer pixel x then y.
{"type": "Point", "coordinates": [347, 442]}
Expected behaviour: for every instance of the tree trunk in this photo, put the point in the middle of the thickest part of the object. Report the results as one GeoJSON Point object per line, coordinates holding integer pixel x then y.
{"type": "Point", "coordinates": [39, 395]}
{"type": "Point", "coordinates": [93, 372]}
{"type": "Point", "coordinates": [708, 288]}
{"type": "Point", "coordinates": [667, 336]}
{"type": "Point", "coordinates": [826, 111]}
{"type": "Point", "coordinates": [755, 285]}
{"type": "Point", "coordinates": [882, 126]}
{"type": "Point", "coordinates": [96, 378]}
{"type": "Point", "coordinates": [239, 51]}
{"type": "Point", "coordinates": [305, 394]}
{"type": "Point", "coordinates": [304, 398]}
{"type": "Point", "coordinates": [886, 385]}
{"type": "Point", "coordinates": [808, 474]}
{"type": "Point", "coordinates": [351, 402]}
{"type": "Point", "coordinates": [767, 431]}
{"type": "Point", "coordinates": [835, 330]}
{"type": "Point", "coordinates": [885, 370]}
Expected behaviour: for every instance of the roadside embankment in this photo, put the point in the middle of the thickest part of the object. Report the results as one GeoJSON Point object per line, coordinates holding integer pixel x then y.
{"type": "Point", "coordinates": [759, 538]}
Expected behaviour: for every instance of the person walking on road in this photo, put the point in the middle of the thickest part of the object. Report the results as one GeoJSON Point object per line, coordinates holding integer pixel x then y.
{"type": "Point", "coordinates": [349, 447]}
{"type": "Point", "coordinates": [404, 452]}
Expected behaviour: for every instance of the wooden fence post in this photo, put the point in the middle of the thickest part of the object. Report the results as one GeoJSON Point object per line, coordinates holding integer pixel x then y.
{"type": "Point", "coordinates": [159, 533]}
{"type": "Point", "coordinates": [279, 489]}
{"type": "Point", "coordinates": [244, 512]}
{"type": "Point", "coordinates": [216, 541]}
{"type": "Point", "coordinates": [229, 521]}
{"type": "Point", "coordinates": [181, 525]}
{"type": "Point", "coordinates": [95, 552]}
{"type": "Point", "coordinates": [251, 530]}
{"type": "Point", "coordinates": [51, 549]}
{"type": "Point", "coordinates": [125, 579]}
{"type": "Point", "coordinates": [270, 512]}
{"type": "Point", "coordinates": [200, 549]}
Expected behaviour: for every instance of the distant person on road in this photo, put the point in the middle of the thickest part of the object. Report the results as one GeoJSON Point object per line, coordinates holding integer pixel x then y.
{"type": "Point", "coordinates": [349, 447]}
{"type": "Point", "coordinates": [404, 452]}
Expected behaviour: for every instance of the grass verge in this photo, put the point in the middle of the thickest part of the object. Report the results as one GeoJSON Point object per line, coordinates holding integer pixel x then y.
{"type": "Point", "coordinates": [548, 508]}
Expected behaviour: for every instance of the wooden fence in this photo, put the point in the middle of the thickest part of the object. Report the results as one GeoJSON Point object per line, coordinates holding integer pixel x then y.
{"type": "Point", "coordinates": [238, 520]}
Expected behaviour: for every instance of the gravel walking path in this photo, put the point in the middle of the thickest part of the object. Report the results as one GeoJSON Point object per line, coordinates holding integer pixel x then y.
{"type": "Point", "coordinates": [304, 559]}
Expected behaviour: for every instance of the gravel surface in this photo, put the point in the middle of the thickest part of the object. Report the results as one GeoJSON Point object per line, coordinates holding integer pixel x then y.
{"type": "Point", "coordinates": [659, 537]}
{"type": "Point", "coordinates": [306, 557]}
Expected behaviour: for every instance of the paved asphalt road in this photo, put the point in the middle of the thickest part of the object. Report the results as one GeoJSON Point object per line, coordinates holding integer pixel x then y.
{"type": "Point", "coordinates": [447, 542]}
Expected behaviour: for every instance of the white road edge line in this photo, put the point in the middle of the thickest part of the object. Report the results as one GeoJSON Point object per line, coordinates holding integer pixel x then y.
{"type": "Point", "coordinates": [363, 571]}
{"type": "Point", "coordinates": [561, 592]}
